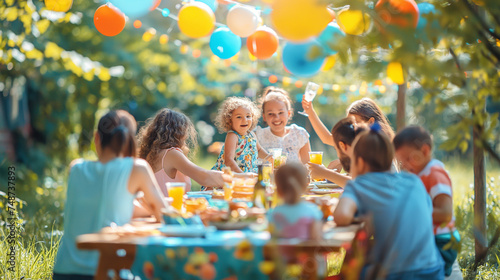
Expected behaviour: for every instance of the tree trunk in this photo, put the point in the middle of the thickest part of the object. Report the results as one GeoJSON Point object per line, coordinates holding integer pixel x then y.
{"type": "Point", "coordinates": [401, 107]}
{"type": "Point", "coordinates": [481, 241]}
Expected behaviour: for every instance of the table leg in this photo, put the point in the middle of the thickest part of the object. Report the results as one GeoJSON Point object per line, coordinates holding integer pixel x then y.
{"type": "Point", "coordinates": [111, 259]}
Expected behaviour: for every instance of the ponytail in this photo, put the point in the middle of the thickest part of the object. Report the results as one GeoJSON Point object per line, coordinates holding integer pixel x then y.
{"type": "Point", "coordinates": [375, 148]}
{"type": "Point", "coordinates": [116, 130]}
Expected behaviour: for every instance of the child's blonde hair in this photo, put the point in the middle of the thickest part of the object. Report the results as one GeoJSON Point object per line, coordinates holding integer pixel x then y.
{"type": "Point", "coordinates": [291, 182]}
{"type": "Point", "coordinates": [223, 120]}
{"type": "Point", "coordinates": [277, 94]}
{"type": "Point", "coordinates": [166, 130]}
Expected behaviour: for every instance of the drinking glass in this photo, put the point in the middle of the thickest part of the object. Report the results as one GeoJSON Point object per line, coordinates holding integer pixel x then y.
{"type": "Point", "coordinates": [311, 90]}
{"type": "Point", "coordinates": [228, 191]}
{"type": "Point", "coordinates": [317, 158]}
{"type": "Point", "coordinates": [176, 192]}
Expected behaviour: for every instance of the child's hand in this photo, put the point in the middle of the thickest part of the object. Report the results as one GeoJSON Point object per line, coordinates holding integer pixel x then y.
{"type": "Point", "coordinates": [307, 105]}
{"type": "Point", "coordinates": [316, 170]}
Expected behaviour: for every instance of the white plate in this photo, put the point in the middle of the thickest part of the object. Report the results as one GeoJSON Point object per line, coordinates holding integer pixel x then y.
{"type": "Point", "coordinates": [327, 185]}
{"type": "Point", "coordinates": [325, 191]}
{"type": "Point", "coordinates": [186, 231]}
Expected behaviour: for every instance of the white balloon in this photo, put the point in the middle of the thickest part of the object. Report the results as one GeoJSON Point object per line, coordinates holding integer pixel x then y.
{"type": "Point", "coordinates": [242, 21]}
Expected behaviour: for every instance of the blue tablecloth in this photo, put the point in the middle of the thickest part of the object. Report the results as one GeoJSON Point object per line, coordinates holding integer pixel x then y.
{"type": "Point", "coordinates": [220, 255]}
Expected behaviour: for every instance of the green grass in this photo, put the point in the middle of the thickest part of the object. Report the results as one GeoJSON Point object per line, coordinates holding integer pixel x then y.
{"type": "Point", "coordinates": [40, 233]}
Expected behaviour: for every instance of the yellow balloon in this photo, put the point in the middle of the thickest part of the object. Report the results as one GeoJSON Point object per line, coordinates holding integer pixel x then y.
{"type": "Point", "coordinates": [395, 73]}
{"type": "Point", "coordinates": [196, 19]}
{"type": "Point", "coordinates": [299, 20]}
{"type": "Point", "coordinates": [58, 5]}
{"type": "Point", "coordinates": [354, 22]}
{"type": "Point", "coordinates": [329, 63]}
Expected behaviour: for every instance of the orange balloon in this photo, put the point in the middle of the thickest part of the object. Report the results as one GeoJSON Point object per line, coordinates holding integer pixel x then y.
{"type": "Point", "coordinates": [108, 20]}
{"type": "Point", "coordinates": [137, 23]}
{"type": "Point", "coordinates": [299, 83]}
{"type": "Point", "coordinates": [273, 79]}
{"type": "Point", "coordinates": [155, 5]}
{"type": "Point", "coordinates": [263, 43]}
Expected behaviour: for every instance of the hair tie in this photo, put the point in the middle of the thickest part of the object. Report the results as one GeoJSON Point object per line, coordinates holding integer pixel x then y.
{"type": "Point", "coordinates": [375, 127]}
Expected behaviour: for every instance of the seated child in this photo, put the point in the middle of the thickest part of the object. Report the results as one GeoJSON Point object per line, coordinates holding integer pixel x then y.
{"type": "Point", "coordinates": [296, 218]}
{"type": "Point", "coordinates": [404, 246]}
{"type": "Point", "coordinates": [238, 116]}
{"type": "Point", "coordinates": [165, 141]}
{"type": "Point", "coordinates": [344, 133]}
{"type": "Point", "coordinates": [101, 193]}
{"type": "Point", "coordinates": [277, 111]}
{"type": "Point", "coordinates": [414, 150]}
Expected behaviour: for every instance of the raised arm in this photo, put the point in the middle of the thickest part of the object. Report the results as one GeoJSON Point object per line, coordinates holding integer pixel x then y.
{"type": "Point", "coordinates": [324, 134]}
{"type": "Point", "coordinates": [142, 179]}
{"type": "Point", "coordinates": [229, 151]}
{"type": "Point", "coordinates": [207, 178]}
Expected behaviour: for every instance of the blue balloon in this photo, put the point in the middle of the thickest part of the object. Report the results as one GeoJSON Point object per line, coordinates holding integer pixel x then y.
{"type": "Point", "coordinates": [133, 8]}
{"type": "Point", "coordinates": [224, 43]}
{"type": "Point", "coordinates": [330, 36]}
{"type": "Point", "coordinates": [297, 58]}
{"type": "Point", "coordinates": [165, 12]}
{"type": "Point", "coordinates": [211, 3]}
{"type": "Point", "coordinates": [425, 9]}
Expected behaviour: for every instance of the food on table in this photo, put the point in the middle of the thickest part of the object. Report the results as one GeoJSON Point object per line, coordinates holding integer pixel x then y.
{"type": "Point", "coordinates": [195, 205]}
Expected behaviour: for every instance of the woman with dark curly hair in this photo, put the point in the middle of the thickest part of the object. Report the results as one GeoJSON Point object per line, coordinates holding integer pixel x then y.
{"type": "Point", "coordinates": [164, 142]}
{"type": "Point", "coordinates": [238, 116]}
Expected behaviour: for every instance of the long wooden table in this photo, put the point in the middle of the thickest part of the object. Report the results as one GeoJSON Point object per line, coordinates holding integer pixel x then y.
{"type": "Point", "coordinates": [118, 252]}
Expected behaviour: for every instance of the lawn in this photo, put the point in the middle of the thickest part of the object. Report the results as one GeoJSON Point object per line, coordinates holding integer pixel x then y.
{"type": "Point", "coordinates": [41, 231]}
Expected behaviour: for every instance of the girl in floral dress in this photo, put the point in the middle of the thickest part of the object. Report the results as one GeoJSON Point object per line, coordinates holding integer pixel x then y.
{"type": "Point", "coordinates": [237, 117]}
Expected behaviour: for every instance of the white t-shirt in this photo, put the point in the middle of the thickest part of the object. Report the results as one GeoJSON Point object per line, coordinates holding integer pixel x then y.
{"type": "Point", "coordinates": [290, 144]}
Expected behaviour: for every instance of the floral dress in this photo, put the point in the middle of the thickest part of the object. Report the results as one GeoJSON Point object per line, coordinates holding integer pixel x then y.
{"type": "Point", "coordinates": [246, 153]}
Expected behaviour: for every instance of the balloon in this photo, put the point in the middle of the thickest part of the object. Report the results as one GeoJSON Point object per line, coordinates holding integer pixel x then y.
{"type": "Point", "coordinates": [137, 23]}
{"type": "Point", "coordinates": [273, 79]}
{"type": "Point", "coordinates": [196, 20]}
{"type": "Point", "coordinates": [108, 20]}
{"type": "Point", "coordinates": [224, 43]}
{"type": "Point", "coordinates": [300, 59]}
{"type": "Point", "coordinates": [424, 10]}
{"type": "Point", "coordinates": [299, 20]}
{"type": "Point", "coordinates": [133, 8]}
{"type": "Point", "coordinates": [165, 12]}
{"type": "Point", "coordinates": [155, 5]}
{"type": "Point", "coordinates": [329, 37]}
{"type": "Point", "coordinates": [395, 73]}
{"type": "Point", "coordinates": [354, 22]}
{"type": "Point", "coordinates": [211, 3]}
{"type": "Point", "coordinates": [263, 43]}
{"type": "Point", "coordinates": [58, 5]}
{"type": "Point", "coordinates": [398, 13]}
{"type": "Point", "coordinates": [243, 21]}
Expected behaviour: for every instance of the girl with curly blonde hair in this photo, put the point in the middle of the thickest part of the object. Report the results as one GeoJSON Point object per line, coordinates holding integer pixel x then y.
{"type": "Point", "coordinates": [164, 142]}
{"type": "Point", "coordinates": [238, 116]}
{"type": "Point", "coordinates": [277, 112]}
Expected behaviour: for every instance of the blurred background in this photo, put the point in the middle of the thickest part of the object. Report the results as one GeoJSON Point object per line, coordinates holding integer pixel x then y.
{"type": "Point", "coordinates": [58, 75]}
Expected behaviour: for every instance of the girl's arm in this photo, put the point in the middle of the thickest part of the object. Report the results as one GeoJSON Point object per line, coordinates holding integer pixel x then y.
{"type": "Point", "coordinates": [142, 179]}
{"type": "Point", "coordinates": [320, 172]}
{"type": "Point", "coordinates": [179, 161]}
{"type": "Point", "coordinates": [324, 134]}
{"type": "Point", "coordinates": [304, 152]}
{"type": "Point", "coordinates": [344, 213]}
{"type": "Point", "coordinates": [229, 150]}
{"type": "Point", "coordinates": [316, 230]}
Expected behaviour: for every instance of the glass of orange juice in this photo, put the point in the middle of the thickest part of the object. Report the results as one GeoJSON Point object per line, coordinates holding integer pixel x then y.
{"type": "Point", "coordinates": [317, 158]}
{"type": "Point", "coordinates": [176, 192]}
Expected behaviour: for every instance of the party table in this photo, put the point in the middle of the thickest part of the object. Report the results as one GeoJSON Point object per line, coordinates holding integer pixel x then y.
{"type": "Point", "coordinates": [230, 254]}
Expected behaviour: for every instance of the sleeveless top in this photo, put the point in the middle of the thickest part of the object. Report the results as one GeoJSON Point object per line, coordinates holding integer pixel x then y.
{"type": "Point", "coordinates": [97, 196]}
{"type": "Point", "coordinates": [246, 153]}
{"type": "Point", "coordinates": [162, 178]}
